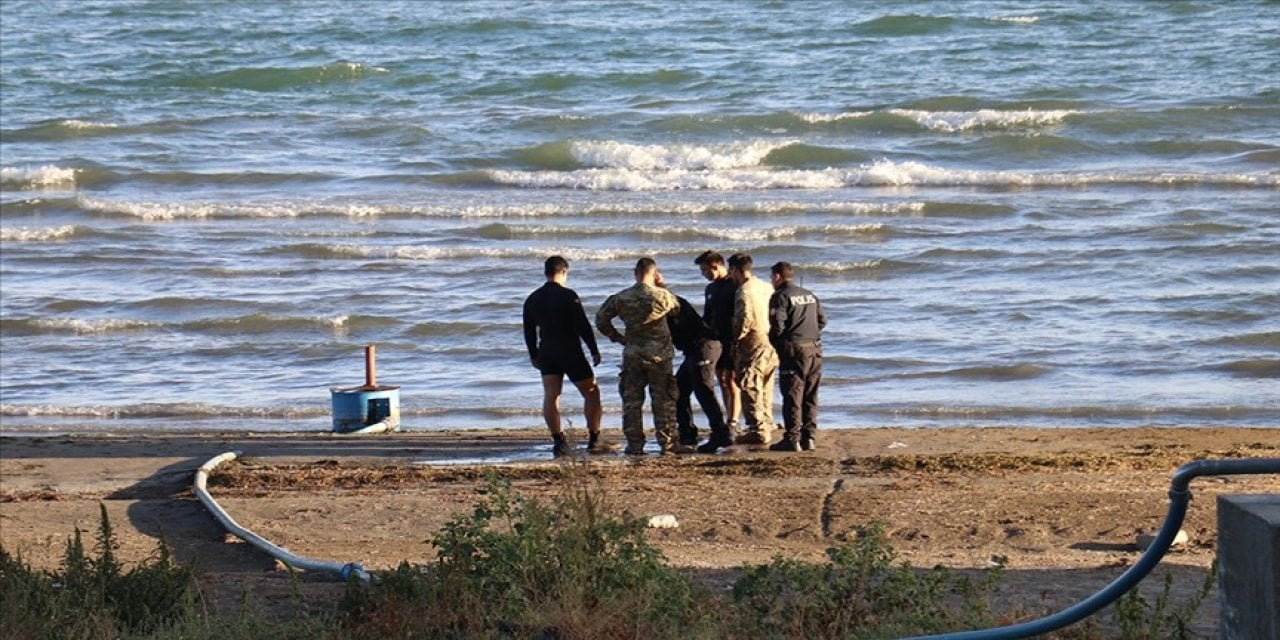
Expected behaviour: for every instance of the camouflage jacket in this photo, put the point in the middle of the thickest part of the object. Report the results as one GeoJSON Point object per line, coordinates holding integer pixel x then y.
{"type": "Point", "coordinates": [644, 310]}
{"type": "Point", "coordinates": [751, 311]}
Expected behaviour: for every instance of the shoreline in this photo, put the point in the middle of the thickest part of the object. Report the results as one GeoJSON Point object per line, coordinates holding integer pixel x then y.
{"type": "Point", "coordinates": [1062, 505]}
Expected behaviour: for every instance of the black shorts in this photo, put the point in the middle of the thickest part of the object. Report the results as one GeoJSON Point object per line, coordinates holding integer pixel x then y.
{"type": "Point", "coordinates": [724, 362]}
{"type": "Point", "coordinates": [572, 364]}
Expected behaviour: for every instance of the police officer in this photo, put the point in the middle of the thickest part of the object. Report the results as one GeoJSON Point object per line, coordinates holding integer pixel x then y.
{"type": "Point", "coordinates": [796, 321]}
{"type": "Point", "coordinates": [646, 357]}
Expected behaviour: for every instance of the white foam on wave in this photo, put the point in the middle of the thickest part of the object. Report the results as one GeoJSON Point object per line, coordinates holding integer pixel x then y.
{"type": "Point", "coordinates": [81, 124]}
{"type": "Point", "coordinates": [37, 177]}
{"type": "Point", "coordinates": [466, 253]}
{"type": "Point", "coordinates": [841, 267]}
{"type": "Point", "coordinates": [157, 410]}
{"type": "Point", "coordinates": [680, 208]}
{"type": "Point", "coordinates": [1016, 19]}
{"type": "Point", "coordinates": [47, 234]}
{"type": "Point", "coordinates": [93, 325]}
{"type": "Point", "coordinates": [820, 118]}
{"type": "Point", "coordinates": [673, 180]}
{"type": "Point", "coordinates": [620, 155]}
{"type": "Point", "coordinates": [163, 211]}
{"type": "Point", "coordinates": [951, 121]}
{"type": "Point", "coordinates": [738, 234]}
{"type": "Point", "coordinates": [171, 211]}
{"type": "Point", "coordinates": [886, 172]}
{"type": "Point", "coordinates": [880, 173]}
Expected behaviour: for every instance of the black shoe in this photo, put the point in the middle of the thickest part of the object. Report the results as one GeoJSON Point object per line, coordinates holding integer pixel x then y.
{"type": "Point", "coordinates": [689, 438]}
{"type": "Point", "coordinates": [808, 443]}
{"type": "Point", "coordinates": [560, 449]}
{"type": "Point", "coordinates": [714, 443]}
{"type": "Point", "coordinates": [785, 444]}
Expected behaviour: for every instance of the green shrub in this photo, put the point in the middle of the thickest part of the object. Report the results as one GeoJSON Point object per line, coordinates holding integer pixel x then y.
{"type": "Point", "coordinates": [1138, 619]}
{"type": "Point", "coordinates": [520, 568]}
{"type": "Point", "coordinates": [859, 593]}
{"type": "Point", "coordinates": [93, 596]}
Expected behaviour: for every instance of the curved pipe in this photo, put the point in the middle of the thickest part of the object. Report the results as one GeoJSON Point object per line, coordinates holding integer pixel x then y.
{"type": "Point", "coordinates": [345, 571]}
{"type": "Point", "coordinates": [383, 426]}
{"type": "Point", "coordinates": [1179, 496]}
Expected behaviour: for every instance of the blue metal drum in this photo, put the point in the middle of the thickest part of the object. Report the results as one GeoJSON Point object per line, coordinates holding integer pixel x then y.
{"type": "Point", "coordinates": [357, 408]}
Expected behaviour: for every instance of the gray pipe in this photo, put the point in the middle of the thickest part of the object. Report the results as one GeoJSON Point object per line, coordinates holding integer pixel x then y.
{"type": "Point", "coordinates": [345, 571]}
{"type": "Point", "coordinates": [1179, 496]}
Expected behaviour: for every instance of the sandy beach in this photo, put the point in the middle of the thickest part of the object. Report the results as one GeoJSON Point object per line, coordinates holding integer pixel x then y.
{"type": "Point", "coordinates": [1062, 505]}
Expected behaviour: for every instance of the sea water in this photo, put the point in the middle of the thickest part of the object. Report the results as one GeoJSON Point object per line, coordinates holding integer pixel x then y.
{"type": "Point", "coordinates": [1015, 213]}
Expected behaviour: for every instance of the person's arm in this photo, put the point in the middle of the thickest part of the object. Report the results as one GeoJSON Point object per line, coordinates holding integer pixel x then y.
{"type": "Point", "coordinates": [530, 334]}
{"type": "Point", "coordinates": [583, 327]}
{"type": "Point", "coordinates": [822, 315]}
{"type": "Point", "coordinates": [604, 321]}
{"type": "Point", "coordinates": [777, 316]}
{"type": "Point", "coordinates": [739, 315]}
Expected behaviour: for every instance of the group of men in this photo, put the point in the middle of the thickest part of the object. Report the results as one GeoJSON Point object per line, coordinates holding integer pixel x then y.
{"type": "Point", "coordinates": [748, 334]}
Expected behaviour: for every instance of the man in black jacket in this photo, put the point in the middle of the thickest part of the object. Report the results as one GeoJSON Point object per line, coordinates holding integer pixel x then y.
{"type": "Point", "coordinates": [696, 376]}
{"type": "Point", "coordinates": [796, 321]}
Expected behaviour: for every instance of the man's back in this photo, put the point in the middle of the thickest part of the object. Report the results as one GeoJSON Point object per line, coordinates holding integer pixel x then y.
{"type": "Point", "coordinates": [643, 308]}
{"type": "Point", "coordinates": [556, 313]}
{"type": "Point", "coordinates": [751, 310]}
{"type": "Point", "coordinates": [717, 308]}
{"type": "Point", "coordinates": [796, 315]}
{"type": "Point", "coordinates": [687, 329]}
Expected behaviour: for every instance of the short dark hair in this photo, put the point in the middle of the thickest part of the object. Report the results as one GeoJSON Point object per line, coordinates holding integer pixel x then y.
{"type": "Point", "coordinates": [740, 261]}
{"type": "Point", "coordinates": [554, 265]}
{"type": "Point", "coordinates": [709, 258]}
{"type": "Point", "coordinates": [783, 269]}
{"type": "Point", "coordinates": [645, 265]}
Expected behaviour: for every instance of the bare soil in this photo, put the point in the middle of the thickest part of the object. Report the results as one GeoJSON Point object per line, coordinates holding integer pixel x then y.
{"type": "Point", "coordinates": [1061, 507]}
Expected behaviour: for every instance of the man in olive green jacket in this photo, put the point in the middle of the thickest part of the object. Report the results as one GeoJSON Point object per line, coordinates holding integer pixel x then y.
{"type": "Point", "coordinates": [754, 358]}
{"type": "Point", "coordinates": [647, 355]}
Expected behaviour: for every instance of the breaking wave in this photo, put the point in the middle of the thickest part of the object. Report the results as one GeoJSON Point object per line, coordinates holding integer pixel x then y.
{"type": "Point", "coordinates": [46, 234]}
{"type": "Point", "coordinates": [879, 174]}
{"type": "Point", "coordinates": [46, 177]}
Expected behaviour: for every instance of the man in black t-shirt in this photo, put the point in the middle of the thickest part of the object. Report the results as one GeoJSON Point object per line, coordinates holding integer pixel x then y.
{"type": "Point", "coordinates": [555, 326]}
{"type": "Point", "coordinates": [717, 314]}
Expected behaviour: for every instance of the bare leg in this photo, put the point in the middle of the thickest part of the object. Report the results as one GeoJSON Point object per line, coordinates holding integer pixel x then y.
{"type": "Point", "coordinates": [551, 386]}
{"type": "Point", "coordinates": [591, 407]}
{"type": "Point", "coordinates": [732, 395]}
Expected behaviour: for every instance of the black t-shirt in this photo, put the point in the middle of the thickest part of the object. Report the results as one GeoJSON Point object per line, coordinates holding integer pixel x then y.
{"type": "Point", "coordinates": [556, 313]}
{"type": "Point", "coordinates": [717, 308]}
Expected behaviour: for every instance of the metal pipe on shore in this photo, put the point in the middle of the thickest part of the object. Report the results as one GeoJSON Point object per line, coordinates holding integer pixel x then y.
{"type": "Point", "coordinates": [1179, 496]}
{"type": "Point", "coordinates": [345, 571]}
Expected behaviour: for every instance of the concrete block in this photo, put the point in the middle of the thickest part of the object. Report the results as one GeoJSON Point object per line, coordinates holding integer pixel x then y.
{"type": "Point", "coordinates": [1249, 566]}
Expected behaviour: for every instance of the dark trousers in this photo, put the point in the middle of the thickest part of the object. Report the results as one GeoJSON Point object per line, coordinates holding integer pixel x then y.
{"type": "Point", "coordinates": [799, 373]}
{"type": "Point", "coordinates": [696, 377]}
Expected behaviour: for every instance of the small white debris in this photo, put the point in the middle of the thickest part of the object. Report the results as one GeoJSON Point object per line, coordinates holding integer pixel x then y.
{"type": "Point", "coordinates": [897, 445]}
{"type": "Point", "coordinates": [664, 521]}
{"type": "Point", "coordinates": [1145, 539]}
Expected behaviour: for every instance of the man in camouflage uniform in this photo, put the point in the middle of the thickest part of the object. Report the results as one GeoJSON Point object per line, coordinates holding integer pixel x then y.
{"type": "Point", "coordinates": [753, 357]}
{"type": "Point", "coordinates": [646, 357]}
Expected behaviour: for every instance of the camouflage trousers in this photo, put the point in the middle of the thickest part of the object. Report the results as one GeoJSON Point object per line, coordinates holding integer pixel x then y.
{"type": "Point", "coordinates": [756, 363]}
{"type": "Point", "coordinates": [656, 375]}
